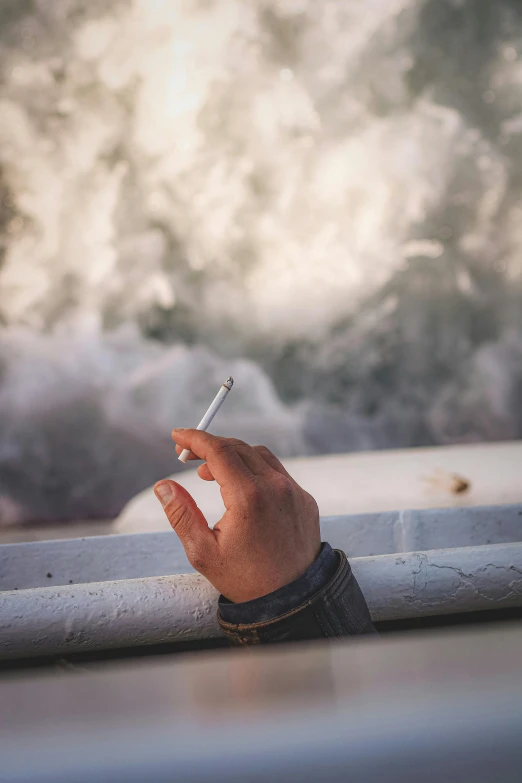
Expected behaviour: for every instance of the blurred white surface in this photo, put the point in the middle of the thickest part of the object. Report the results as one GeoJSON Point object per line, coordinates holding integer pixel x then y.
{"type": "Point", "coordinates": [441, 477]}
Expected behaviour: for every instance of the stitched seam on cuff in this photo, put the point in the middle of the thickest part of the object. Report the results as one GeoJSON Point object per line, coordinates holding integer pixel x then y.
{"type": "Point", "coordinates": [335, 581]}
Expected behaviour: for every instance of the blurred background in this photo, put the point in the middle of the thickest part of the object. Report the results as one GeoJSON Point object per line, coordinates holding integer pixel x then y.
{"type": "Point", "coordinates": [322, 199]}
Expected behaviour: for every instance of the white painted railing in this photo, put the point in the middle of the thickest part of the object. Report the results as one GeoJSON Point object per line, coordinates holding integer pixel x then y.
{"type": "Point", "coordinates": [103, 558]}
{"type": "Point", "coordinates": [133, 612]}
{"type": "Point", "coordinates": [130, 593]}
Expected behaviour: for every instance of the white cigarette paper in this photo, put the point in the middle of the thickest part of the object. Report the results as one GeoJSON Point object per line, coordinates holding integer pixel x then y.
{"type": "Point", "coordinates": [216, 404]}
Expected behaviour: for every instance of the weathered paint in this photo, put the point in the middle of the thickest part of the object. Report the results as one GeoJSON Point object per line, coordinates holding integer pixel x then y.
{"type": "Point", "coordinates": [440, 582]}
{"type": "Point", "coordinates": [104, 558]}
{"type": "Point", "coordinates": [103, 615]}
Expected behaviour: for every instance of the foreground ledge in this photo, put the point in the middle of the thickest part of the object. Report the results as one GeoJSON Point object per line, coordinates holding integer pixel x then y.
{"type": "Point", "coordinates": [170, 609]}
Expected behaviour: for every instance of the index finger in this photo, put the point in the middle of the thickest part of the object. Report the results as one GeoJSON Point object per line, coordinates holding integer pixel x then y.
{"type": "Point", "coordinates": [223, 460]}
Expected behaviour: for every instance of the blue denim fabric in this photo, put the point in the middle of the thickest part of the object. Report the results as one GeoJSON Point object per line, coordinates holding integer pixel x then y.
{"type": "Point", "coordinates": [287, 598]}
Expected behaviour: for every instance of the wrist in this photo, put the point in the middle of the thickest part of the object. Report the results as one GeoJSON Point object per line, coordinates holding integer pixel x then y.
{"type": "Point", "coordinates": [264, 582]}
{"type": "Point", "coordinates": [286, 597]}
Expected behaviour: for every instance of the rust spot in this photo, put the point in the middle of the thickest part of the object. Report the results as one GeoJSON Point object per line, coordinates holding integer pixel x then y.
{"type": "Point", "coordinates": [453, 483]}
{"type": "Point", "coordinates": [459, 484]}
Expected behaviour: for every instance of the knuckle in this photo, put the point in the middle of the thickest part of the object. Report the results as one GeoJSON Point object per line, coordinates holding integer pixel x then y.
{"type": "Point", "coordinates": [284, 487]}
{"type": "Point", "coordinates": [223, 446]}
{"type": "Point", "coordinates": [236, 443]}
{"type": "Point", "coordinates": [226, 446]}
{"type": "Point", "coordinates": [267, 455]}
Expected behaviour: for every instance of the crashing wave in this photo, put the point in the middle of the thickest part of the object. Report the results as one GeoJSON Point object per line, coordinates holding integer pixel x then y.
{"type": "Point", "coordinates": [328, 189]}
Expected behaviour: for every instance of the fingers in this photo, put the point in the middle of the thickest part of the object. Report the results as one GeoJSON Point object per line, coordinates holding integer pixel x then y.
{"type": "Point", "coordinates": [228, 459]}
{"type": "Point", "coordinates": [272, 460]}
{"type": "Point", "coordinates": [254, 462]}
{"type": "Point", "coordinates": [227, 466]}
{"type": "Point", "coordinates": [188, 522]}
{"type": "Point", "coordinates": [204, 472]}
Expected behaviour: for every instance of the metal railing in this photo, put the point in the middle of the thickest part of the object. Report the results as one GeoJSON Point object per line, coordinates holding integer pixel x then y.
{"type": "Point", "coordinates": [133, 591]}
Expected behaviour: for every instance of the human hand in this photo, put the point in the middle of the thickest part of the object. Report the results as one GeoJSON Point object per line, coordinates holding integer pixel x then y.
{"type": "Point", "coordinates": [269, 534]}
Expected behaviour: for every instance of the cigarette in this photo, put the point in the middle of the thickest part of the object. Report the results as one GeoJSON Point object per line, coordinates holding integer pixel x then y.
{"type": "Point", "coordinates": [215, 405]}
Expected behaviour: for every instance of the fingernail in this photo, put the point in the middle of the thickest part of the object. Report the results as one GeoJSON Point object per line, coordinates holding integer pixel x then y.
{"type": "Point", "coordinates": [179, 429]}
{"type": "Point", "coordinates": [164, 493]}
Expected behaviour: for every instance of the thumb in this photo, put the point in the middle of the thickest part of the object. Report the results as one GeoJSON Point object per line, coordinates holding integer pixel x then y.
{"type": "Point", "coordinates": [188, 522]}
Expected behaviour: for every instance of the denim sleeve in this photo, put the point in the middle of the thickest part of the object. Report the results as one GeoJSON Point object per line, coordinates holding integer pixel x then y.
{"type": "Point", "coordinates": [325, 602]}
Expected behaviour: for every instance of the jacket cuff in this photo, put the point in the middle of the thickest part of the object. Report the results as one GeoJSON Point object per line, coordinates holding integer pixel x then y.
{"type": "Point", "coordinates": [287, 598]}
{"type": "Point", "coordinates": [337, 609]}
